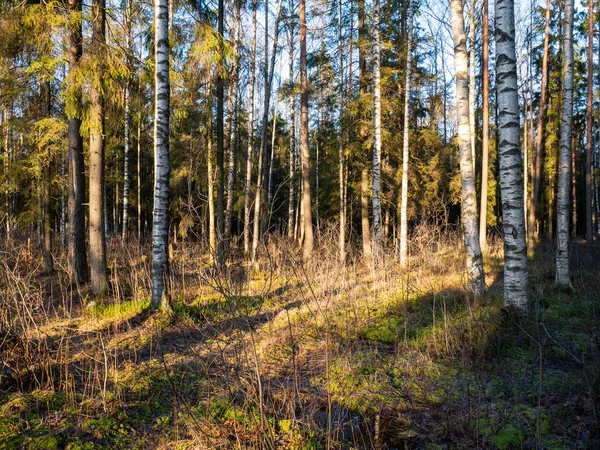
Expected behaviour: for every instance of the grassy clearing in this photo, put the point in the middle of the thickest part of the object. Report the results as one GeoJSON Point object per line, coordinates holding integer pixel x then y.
{"type": "Point", "coordinates": [300, 357]}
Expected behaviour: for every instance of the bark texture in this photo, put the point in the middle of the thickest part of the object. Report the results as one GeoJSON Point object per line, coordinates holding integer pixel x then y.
{"type": "Point", "coordinates": [160, 223]}
{"type": "Point", "coordinates": [509, 155]}
{"type": "Point", "coordinates": [564, 164]}
{"type": "Point", "coordinates": [97, 225]}
{"type": "Point", "coordinates": [475, 274]}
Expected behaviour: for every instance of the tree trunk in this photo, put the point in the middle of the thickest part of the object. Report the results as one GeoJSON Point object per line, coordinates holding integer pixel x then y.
{"type": "Point", "coordinates": [589, 233]}
{"type": "Point", "coordinates": [160, 223]}
{"type": "Point", "coordinates": [46, 194]}
{"type": "Point", "coordinates": [486, 131]}
{"type": "Point", "coordinates": [233, 124]}
{"type": "Point", "coordinates": [341, 156]}
{"type": "Point", "coordinates": [77, 257]}
{"type": "Point", "coordinates": [509, 154]}
{"type": "Point", "coordinates": [250, 135]}
{"type": "Point", "coordinates": [376, 186]}
{"type": "Point", "coordinates": [259, 198]}
{"type": "Point", "coordinates": [99, 275]}
{"type": "Point", "coordinates": [537, 180]}
{"type": "Point", "coordinates": [475, 274]}
{"type": "Point", "coordinates": [364, 214]}
{"type": "Point", "coordinates": [403, 242]}
{"type": "Point", "coordinates": [127, 125]}
{"type": "Point", "coordinates": [220, 167]}
{"type": "Point", "coordinates": [564, 165]}
{"type": "Point", "coordinates": [472, 81]}
{"type": "Point", "coordinates": [308, 242]}
{"type": "Point", "coordinates": [364, 177]}
{"type": "Point", "coordinates": [210, 172]}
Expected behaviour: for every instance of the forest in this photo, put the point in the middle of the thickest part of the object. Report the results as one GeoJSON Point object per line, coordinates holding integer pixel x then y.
{"type": "Point", "coordinates": [292, 224]}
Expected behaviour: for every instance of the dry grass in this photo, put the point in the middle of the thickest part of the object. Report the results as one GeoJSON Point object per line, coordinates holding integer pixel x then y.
{"type": "Point", "coordinates": [297, 355]}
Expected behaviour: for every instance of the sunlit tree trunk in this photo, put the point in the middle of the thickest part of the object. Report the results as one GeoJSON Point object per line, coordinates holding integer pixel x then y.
{"type": "Point", "coordinates": [210, 173]}
{"type": "Point", "coordinates": [475, 274]}
{"type": "Point", "coordinates": [589, 233]}
{"type": "Point", "coordinates": [376, 186]}
{"type": "Point", "coordinates": [250, 135]}
{"type": "Point", "coordinates": [537, 177]}
{"type": "Point", "coordinates": [364, 176]}
{"type": "Point", "coordinates": [472, 63]}
{"type": "Point", "coordinates": [46, 193]}
{"type": "Point", "coordinates": [341, 156]}
{"type": "Point", "coordinates": [233, 124]}
{"type": "Point", "coordinates": [308, 242]}
{"type": "Point", "coordinates": [160, 223]}
{"type": "Point", "coordinates": [127, 125]}
{"type": "Point", "coordinates": [77, 257]}
{"type": "Point", "coordinates": [260, 197]}
{"type": "Point", "coordinates": [486, 130]}
{"type": "Point", "coordinates": [97, 224]}
{"type": "Point", "coordinates": [220, 153]}
{"type": "Point", "coordinates": [564, 165]}
{"type": "Point", "coordinates": [403, 241]}
{"type": "Point", "coordinates": [509, 155]}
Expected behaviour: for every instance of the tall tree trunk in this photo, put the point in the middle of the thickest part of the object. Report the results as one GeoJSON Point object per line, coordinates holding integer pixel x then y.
{"type": "Point", "coordinates": [341, 156]}
{"type": "Point", "coordinates": [537, 180]}
{"type": "Point", "coordinates": [486, 130]}
{"type": "Point", "coordinates": [77, 257]}
{"type": "Point", "coordinates": [160, 222]}
{"type": "Point", "coordinates": [510, 163]}
{"type": "Point", "coordinates": [127, 125]}
{"type": "Point", "coordinates": [475, 274]}
{"type": "Point", "coordinates": [472, 63]}
{"type": "Point", "coordinates": [589, 233]}
{"type": "Point", "coordinates": [99, 275]}
{"type": "Point", "coordinates": [260, 197]}
{"type": "Point", "coordinates": [564, 165]}
{"type": "Point", "coordinates": [233, 124]}
{"type": "Point", "coordinates": [249, 152]}
{"type": "Point", "coordinates": [376, 185]}
{"type": "Point", "coordinates": [220, 167]}
{"type": "Point", "coordinates": [46, 194]}
{"type": "Point", "coordinates": [403, 241]}
{"type": "Point", "coordinates": [308, 242]}
{"type": "Point", "coordinates": [139, 178]}
{"type": "Point", "coordinates": [210, 171]}
{"type": "Point", "coordinates": [364, 177]}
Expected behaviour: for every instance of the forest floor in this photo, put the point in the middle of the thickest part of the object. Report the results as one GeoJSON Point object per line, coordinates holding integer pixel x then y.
{"type": "Point", "coordinates": [290, 356]}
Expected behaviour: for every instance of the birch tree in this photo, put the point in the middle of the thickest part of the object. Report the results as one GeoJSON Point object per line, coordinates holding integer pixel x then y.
{"type": "Point", "coordinates": [509, 155]}
{"type": "Point", "coordinates": [341, 156]}
{"type": "Point", "coordinates": [475, 274]}
{"type": "Point", "coordinates": [403, 241]}
{"type": "Point", "coordinates": [376, 185]}
{"type": "Point", "coordinates": [485, 129]}
{"type": "Point", "coordinates": [160, 223]}
{"type": "Point", "coordinates": [564, 164]}
{"type": "Point", "coordinates": [127, 122]}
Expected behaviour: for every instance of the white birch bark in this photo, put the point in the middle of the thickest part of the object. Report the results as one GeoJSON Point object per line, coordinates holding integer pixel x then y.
{"type": "Point", "coordinates": [472, 79]}
{"type": "Point", "coordinates": [160, 223]}
{"type": "Point", "coordinates": [291, 198]}
{"type": "Point", "coordinates": [403, 241]}
{"type": "Point", "coordinates": [233, 122]}
{"type": "Point", "coordinates": [510, 162]}
{"type": "Point", "coordinates": [564, 165]}
{"type": "Point", "coordinates": [376, 185]}
{"type": "Point", "coordinates": [475, 274]}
